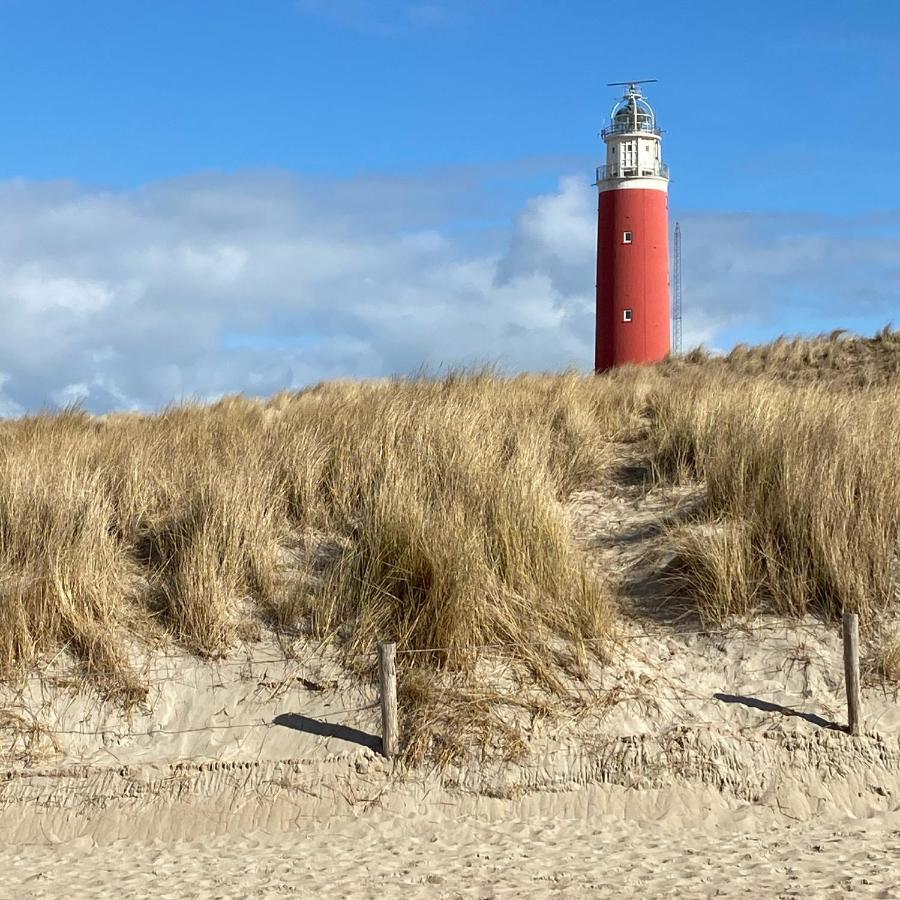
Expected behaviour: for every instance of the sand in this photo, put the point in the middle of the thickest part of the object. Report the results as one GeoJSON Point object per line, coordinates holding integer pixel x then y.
{"type": "Point", "coordinates": [671, 791]}
{"type": "Point", "coordinates": [447, 856]}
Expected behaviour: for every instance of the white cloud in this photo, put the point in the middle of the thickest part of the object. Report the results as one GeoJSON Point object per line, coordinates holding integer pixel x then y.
{"type": "Point", "coordinates": [36, 291]}
{"type": "Point", "coordinates": [788, 273]}
{"type": "Point", "coordinates": [250, 282]}
{"type": "Point", "coordinates": [8, 408]}
{"type": "Point", "coordinates": [208, 285]}
{"type": "Point", "coordinates": [556, 235]}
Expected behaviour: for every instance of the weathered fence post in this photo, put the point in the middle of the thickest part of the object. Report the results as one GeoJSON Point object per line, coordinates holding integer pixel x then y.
{"type": "Point", "coordinates": [851, 671]}
{"type": "Point", "coordinates": [387, 681]}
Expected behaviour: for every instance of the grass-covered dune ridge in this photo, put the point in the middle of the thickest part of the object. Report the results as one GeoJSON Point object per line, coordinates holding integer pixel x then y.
{"type": "Point", "coordinates": [441, 499]}
{"type": "Point", "coordinates": [432, 511]}
{"type": "Point", "coordinates": [838, 359]}
{"type": "Point", "coordinates": [798, 447]}
{"type": "Point", "coordinates": [802, 493]}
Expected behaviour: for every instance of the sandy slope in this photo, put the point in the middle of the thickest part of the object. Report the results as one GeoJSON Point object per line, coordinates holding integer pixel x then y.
{"type": "Point", "coordinates": [671, 791]}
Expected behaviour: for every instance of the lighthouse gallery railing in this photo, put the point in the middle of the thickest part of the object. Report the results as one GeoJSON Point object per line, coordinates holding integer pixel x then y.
{"type": "Point", "coordinates": [629, 126]}
{"type": "Point", "coordinates": [604, 173]}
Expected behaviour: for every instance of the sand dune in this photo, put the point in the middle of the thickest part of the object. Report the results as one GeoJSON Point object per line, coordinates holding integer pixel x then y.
{"type": "Point", "coordinates": [717, 775]}
{"type": "Point", "coordinates": [692, 764]}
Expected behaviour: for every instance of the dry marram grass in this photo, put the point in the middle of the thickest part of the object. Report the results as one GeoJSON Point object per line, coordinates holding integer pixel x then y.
{"type": "Point", "coordinates": [430, 511]}
{"type": "Point", "coordinates": [440, 497]}
{"type": "Point", "coordinates": [802, 510]}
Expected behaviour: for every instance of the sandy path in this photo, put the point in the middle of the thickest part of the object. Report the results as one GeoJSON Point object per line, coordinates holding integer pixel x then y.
{"type": "Point", "coordinates": [420, 857]}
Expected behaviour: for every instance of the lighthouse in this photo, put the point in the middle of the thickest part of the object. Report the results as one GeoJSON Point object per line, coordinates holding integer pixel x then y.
{"type": "Point", "coordinates": [632, 238]}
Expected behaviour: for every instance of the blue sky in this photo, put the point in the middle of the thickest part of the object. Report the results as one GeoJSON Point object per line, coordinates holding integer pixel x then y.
{"type": "Point", "coordinates": [201, 197]}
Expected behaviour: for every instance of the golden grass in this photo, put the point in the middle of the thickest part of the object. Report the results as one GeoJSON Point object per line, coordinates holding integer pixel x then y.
{"type": "Point", "coordinates": [838, 359]}
{"type": "Point", "coordinates": [440, 502]}
{"type": "Point", "coordinates": [802, 509]}
{"type": "Point", "coordinates": [887, 658]}
{"type": "Point", "coordinates": [444, 495]}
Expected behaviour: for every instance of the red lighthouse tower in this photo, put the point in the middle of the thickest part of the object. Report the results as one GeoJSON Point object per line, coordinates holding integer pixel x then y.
{"type": "Point", "coordinates": [632, 238]}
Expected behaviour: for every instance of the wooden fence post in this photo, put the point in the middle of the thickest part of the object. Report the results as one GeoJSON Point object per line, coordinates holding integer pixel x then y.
{"type": "Point", "coordinates": [851, 671]}
{"type": "Point", "coordinates": [387, 681]}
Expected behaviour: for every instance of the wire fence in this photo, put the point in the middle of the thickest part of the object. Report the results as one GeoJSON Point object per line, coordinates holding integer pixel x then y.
{"type": "Point", "coordinates": [652, 687]}
{"type": "Point", "coordinates": [634, 633]}
{"type": "Point", "coordinates": [205, 664]}
{"type": "Point", "coordinates": [153, 732]}
{"type": "Point", "coordinates": [178, 664]}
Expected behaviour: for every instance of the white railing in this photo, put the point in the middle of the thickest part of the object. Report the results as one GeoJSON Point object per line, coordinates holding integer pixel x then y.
{"type": "Point", "coordinates": [630, 127]}
{"type": "Point", "coordinates": [607, 173]}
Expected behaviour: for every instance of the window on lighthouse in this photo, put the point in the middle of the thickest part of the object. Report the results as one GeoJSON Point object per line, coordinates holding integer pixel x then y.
{"type": "Point", "coordinates": [627, 315]}
{"type": "Point", "coordinates": [626, 237]}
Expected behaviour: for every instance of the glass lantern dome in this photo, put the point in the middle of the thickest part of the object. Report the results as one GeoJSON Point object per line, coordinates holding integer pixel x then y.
{"type": "Point", "coordinates": [632, 114]}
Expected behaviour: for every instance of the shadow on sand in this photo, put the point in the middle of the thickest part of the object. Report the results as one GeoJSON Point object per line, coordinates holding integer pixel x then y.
{"type": "Point", "coordinates": [328, 730]}
{"type": "Point", "coordinates": [766, 706]}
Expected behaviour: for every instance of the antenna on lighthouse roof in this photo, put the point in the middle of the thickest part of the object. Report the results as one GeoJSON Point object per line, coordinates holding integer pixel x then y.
{"type": "Point", "coordinates": [631, 83]}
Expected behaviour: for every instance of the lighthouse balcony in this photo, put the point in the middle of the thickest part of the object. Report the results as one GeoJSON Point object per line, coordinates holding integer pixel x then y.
{"type": "Point", "coordinates": [630, 126]}
{"type": "Point", "coordinates": [608, 173]}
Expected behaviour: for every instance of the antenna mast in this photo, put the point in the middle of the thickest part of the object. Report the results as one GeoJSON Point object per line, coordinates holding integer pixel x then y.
{"type": "Point", "coordinates": [631, 83]}
{"type": "Point", "coordinates": [676, 305]}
